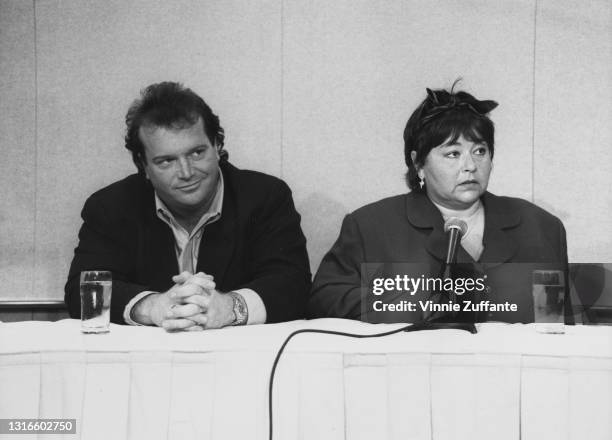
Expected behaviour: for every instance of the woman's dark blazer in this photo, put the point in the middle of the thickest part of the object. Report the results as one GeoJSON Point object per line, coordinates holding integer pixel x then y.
{"type": "Point", "coordinates": [518, 238]}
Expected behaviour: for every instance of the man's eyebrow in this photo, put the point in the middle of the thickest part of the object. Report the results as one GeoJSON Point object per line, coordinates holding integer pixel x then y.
{"type": "Point", "coordinates": [172, 156]}
{"type": "Point", "coordinates": [163, 156]}
{"type": "Point", "coordinates": [198, 147]}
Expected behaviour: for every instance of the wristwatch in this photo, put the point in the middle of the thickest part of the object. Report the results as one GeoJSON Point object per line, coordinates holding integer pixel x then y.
{"type": "Point", "coordinates": [241, 312]}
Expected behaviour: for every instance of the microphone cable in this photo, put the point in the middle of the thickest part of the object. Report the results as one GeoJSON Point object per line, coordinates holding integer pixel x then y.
{"type": "Point", "coordinates": [421, 325]}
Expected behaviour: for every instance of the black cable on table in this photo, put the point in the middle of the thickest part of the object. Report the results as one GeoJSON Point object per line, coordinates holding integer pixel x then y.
{"type": "Point", "coordinates": [423, 325]}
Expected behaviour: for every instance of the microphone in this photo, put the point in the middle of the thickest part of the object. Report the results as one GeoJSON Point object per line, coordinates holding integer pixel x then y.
{"type": "Point", "coordinates": [456, 228]}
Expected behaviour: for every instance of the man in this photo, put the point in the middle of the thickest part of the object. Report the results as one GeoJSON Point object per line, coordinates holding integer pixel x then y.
{"type": "Point", "coordinates": [193, 242]}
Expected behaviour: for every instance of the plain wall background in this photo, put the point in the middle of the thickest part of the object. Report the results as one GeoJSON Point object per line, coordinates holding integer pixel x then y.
{"type": "Point", "coordinates": [315, 92]}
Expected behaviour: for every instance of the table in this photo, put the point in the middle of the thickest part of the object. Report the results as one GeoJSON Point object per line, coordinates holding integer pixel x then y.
{"type": "Point", "coordinates": [506, 382]}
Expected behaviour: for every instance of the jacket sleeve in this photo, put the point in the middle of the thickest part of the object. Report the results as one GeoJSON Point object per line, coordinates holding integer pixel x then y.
{"type": "Point", "coordinates": [279, 268]}
{"type": "Point", "coordinates": [336, 290]}
{"type": "Point", "coordinates": [102, 246]}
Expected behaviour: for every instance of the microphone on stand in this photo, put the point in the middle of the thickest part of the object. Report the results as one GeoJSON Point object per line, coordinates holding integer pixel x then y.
{"type": "Point", "coordinates": [456, 228]}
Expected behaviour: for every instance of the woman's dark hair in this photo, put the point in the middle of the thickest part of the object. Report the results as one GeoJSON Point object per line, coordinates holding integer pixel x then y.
{"type": "Point", "coordinates": [172, 106]}
{"type": "Point", "coordinates": [442, 118]}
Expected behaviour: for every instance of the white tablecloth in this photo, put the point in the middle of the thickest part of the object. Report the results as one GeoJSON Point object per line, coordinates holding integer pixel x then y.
{"type": "Point", "coordinates": [506, 382]}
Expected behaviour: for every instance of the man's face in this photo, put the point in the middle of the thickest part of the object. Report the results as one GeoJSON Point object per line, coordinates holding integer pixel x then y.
{"type": "Point", "coordinates": [182, 165]}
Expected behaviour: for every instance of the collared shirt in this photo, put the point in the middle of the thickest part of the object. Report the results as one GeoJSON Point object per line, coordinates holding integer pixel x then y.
{"type": "Point", "coordinates": [475, 220]}
{"type": "Point", "coordinates": [187, 246]}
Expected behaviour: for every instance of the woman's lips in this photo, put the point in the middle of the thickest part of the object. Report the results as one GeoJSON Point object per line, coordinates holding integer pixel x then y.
{"type": "Point", "coordinates": [469, 183]}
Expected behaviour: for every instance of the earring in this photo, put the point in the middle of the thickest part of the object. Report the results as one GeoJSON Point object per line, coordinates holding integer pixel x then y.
{"type": "Point", "coordinates": [421, 180]}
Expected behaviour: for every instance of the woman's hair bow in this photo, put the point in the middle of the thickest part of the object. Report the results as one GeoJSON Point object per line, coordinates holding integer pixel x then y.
{"type": "Point", "coordinates": [441, 101]}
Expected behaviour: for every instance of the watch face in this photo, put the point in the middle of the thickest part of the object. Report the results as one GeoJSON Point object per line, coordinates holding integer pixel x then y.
{"type": "Point", "coordinates": [240, 311]}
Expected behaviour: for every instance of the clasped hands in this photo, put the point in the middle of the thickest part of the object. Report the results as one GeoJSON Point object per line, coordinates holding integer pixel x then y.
{"type": "Point", "coordinates": [192, 304]}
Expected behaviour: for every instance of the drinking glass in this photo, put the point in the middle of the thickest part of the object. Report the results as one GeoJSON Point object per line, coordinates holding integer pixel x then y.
{"type": "Point", "coordinates": [96, 289]}
{"type": "Point", "coordinates": [548, 289]}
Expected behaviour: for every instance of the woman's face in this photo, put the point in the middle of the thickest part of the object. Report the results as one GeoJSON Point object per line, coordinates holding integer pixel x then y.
{"type": "Point", "coordinates": [457, 174]}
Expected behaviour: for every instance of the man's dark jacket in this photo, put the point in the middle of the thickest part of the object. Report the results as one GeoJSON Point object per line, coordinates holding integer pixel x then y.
{"type": "Point", "coordinates": [257, 244]}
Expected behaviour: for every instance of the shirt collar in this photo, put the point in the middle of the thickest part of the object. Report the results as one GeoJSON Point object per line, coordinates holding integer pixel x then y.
{"type": "Point", "coordinates": [465, 214]}
{"type": "Point", "coordinates": [499, 213]}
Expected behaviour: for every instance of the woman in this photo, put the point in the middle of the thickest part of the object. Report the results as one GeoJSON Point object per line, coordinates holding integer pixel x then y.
{"type": "Point", "coordinates": [448, 148]}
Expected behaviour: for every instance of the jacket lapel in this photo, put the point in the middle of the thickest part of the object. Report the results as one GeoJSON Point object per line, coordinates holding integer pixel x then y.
{"type": "Point", "coordinates": [499, 247]}
{"type": "Point", "coordinates": [219, 239]}
{"type": "Point", "coordinates": [159, 248]}
{"type": "Point", "coordinates": [423, 214]}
